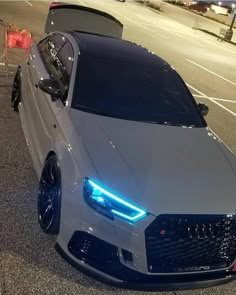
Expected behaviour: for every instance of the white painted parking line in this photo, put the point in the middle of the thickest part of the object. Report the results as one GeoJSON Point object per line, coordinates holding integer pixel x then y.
{"type": "Point", "coordinates": [201, 39]}
{"type": "Point", "coordinates": [212, 100]}
{"type": "Point", "coordinates": [138, 24]}
{"type": "Point", "coordinates": [82, 3]}
{"type": "Point", "coordinates": [28, 3]}
{"type": "Point", "coordinates": [188, 40]}
{"type": "Point", "coordinates": [169, 31]}
{"type": "Point", "coordinates": [209, 71]}
{"type": "Point", "coordinates": [2, 64]}
{"type": "Point", "coordinates": [219, 46]}
{"type": "Point", "coordinates": [146, 19]}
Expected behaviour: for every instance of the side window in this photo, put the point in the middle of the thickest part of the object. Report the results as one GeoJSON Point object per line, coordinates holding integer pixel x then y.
{"type": "Point", "coordinates": [57, 54]}
{"type": "Point", "coordinates": [66, 58]}
{"type": "Point", "coordinates": [49, 47]}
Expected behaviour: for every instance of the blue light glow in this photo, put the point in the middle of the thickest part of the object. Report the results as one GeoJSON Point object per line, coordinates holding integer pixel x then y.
{"type": "Point", "coordinates": [99, 199]}
{"type": "Point", "coordinates": [97, 192]}
{"type": "Point", "coordinates": [136, 213]}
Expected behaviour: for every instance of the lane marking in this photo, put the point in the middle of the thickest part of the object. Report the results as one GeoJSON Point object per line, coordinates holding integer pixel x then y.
{"type": "Point", "coordinates": [170, 32]}
{"type": "Point", "coordinates": [28, 2]}
{"type": "Point", "coordinates": [183, 37]}
{"type": "Point", "coordinates": [188, 40]}
{"type": "Point", "coordinates": [9, 65]}
{"type": "Point", "coordinates": [208, 40]}
{"type": "Point", "coordinates": [146, 19]}
{"type": "Point", "coordinates": [215, 98]}
{"type": "Point", "coordinates": [138, 24]}
{"type": "Point", "coordinates": [209, 71]}
{"type": "Point", "coordinates": [226, 49]}
{"type": "Point", "coordinates": [212, 100]}
{"type": "Point", "coordinates": [82, 3]}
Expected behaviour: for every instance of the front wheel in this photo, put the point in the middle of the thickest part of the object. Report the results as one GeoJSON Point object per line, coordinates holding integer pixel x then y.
{"type": "Point", "coordinates": [49, 197]}
{"type": "Point", "coordinates": [16, 92]}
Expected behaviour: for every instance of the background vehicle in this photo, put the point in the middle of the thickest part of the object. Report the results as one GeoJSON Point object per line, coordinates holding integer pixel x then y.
{"type": "Point", "coordinates": [198, 7]}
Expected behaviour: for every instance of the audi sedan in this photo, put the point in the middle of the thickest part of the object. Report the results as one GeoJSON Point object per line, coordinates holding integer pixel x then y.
{"type": "Point", "coordinates": [139, 191]}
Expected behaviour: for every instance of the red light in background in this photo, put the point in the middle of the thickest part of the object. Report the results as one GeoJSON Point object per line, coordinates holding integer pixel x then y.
{"type": "Point", "coordinates": [55, 4]}
{"type": "Point", "coordinates": [163, 232]}
{"type": "Point", "coordinates": [234, 268]}
{"type": "Point", "coordinates": [19, 40]}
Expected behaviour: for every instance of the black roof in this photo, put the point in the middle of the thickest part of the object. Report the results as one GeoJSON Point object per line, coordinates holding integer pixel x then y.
{"type": "Point", "coordinates": [117, 49]}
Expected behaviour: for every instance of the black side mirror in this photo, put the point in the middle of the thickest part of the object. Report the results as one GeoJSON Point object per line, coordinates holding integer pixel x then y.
{"type": "Point", "coordinates": [51, 87]}
{"type": "Point", "coordinates": [204, 109]}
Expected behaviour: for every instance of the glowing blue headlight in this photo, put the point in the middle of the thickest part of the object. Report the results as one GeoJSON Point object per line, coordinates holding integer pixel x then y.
{"type": "Point", "coordinates": [108, 204]}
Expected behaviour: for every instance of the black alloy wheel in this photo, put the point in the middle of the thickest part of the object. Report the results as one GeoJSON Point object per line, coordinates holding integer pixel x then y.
{"type": "Point", "coordinates": [16, 92]}
{"type": "Point", "coordinates": [49, 197]}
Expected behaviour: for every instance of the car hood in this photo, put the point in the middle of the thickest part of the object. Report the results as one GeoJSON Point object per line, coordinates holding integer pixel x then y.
{"type": "Point", "coordinates": [162, 169]}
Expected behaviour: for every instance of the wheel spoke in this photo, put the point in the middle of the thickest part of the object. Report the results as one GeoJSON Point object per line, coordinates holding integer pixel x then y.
{"type": "Point", "coordinates": [51, 173]}
{"type": "Point", "coordinates": [44, 205]}
{"type": "Point", "coordinates": [48, 215]}
{"type": "Point", "coordinates": [49, 190]}
{"type": "Point", "coordinates": [45, 183]}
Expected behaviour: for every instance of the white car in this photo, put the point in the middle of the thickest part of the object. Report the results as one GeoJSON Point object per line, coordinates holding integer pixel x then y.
{"type": "Point", "coordinates": [137, 188]}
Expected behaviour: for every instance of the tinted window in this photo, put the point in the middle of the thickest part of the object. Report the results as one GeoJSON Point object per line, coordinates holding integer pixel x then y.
{"type": "Point", "coordinates": [57, 55]}
{"type": "Point", "coordinates": [136, 92]}
{"type": "Point", "coordinates": [49, 48]}
{"type": "Point", "coordinates": [65, 59]}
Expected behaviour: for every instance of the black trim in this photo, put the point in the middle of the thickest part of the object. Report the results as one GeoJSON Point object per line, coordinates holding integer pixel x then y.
{"type": "Point", "coordinates": [204, 122]}
{"type": "Point", "coordinates": [153, 282]}
{"type": "Point", "coordinates": [188, 242]}
{"type": "Point", "coordinates": [85, 8]}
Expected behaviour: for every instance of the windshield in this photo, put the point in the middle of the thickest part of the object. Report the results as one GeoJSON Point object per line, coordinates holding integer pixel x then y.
{"type": "Point", "coordinates": [135, 91]}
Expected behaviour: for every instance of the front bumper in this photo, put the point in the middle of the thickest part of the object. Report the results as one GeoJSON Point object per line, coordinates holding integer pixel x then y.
{"type": "Point", "coordinates": [101, 260]}
{"type": "Point", "coordinates": [138, 239]}
{"type": "Point", "coordinates": [116, 274]}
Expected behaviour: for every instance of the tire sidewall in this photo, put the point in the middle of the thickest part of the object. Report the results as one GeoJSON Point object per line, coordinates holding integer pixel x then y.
{"type": "Point", "coordinates": [16, 83]}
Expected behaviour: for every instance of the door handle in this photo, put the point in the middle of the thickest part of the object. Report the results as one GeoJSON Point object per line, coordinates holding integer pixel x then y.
{"type": "Point", "coordinates": [28, 63]}
{"type": "Point", "coordinates": [36, 86]}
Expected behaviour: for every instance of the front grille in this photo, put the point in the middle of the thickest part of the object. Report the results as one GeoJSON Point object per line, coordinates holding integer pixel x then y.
{"type": "Point", "coordinates": [188, 243]}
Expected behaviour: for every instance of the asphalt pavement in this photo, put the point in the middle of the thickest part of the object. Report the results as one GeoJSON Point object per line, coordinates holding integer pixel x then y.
{"type": "Point", "coordinates": [28, 262]}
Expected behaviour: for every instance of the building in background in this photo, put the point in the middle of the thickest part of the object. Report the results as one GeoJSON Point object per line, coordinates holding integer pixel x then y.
{"type": "Point", "coordinates": [219, 9]}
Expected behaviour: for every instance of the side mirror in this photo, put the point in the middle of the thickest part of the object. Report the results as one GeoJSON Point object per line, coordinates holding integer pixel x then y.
{"type": "Point", "coordinates": [204, 109]}
{"type": "Point", "coordinates": [51, 87]}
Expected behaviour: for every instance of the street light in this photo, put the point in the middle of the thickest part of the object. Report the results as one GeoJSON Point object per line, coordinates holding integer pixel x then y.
{"type": "Point", "coordinates": [219, 3]}
{"type": "Point", "coordinates": [233, 8]}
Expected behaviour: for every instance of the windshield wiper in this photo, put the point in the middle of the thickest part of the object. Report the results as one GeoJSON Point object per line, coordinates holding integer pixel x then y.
{"type": "Point", "coordinates": [168, 123]}
{"type": "Point", "coordinates": [93, 111]}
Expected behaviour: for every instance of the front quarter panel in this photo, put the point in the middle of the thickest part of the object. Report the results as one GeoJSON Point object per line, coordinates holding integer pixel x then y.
{"type": "Point", "coordinates": [75, 164]}
{"type": "Point", "coordinates": [76, 215]}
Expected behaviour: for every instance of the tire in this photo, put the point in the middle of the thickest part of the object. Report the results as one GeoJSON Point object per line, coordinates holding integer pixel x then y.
{"type": "Point", "coordinates": [16, 92]}
{"type": "Point", "coordinates": [49, 197]}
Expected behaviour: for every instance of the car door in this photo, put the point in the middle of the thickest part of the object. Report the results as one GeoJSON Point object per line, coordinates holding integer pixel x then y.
{"type": "Point", "coordinates": [56, 54]}
{"type": "Point", "coordinates": [35, 70]}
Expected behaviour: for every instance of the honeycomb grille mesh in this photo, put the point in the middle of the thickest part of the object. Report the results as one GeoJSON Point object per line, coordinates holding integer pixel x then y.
{"type": "Point", "coordinates": [186, 243]}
